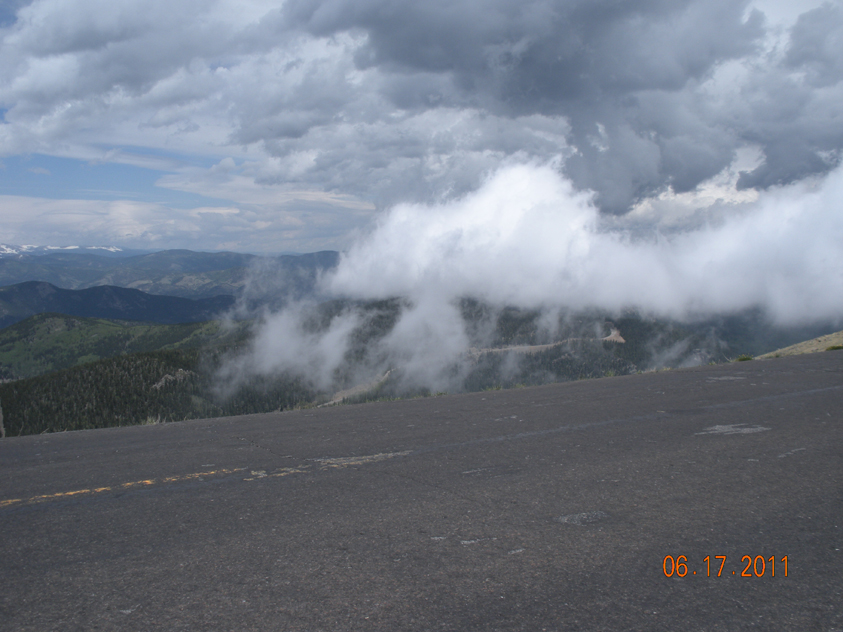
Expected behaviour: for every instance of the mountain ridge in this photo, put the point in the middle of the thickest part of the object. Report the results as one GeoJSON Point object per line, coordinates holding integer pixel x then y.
{"type": "Point", "coordinates": [22, 300]}
{"type": "Point", "coordinates": [11, 250]}
{"type": "Point", "coordinates": [183, 273]}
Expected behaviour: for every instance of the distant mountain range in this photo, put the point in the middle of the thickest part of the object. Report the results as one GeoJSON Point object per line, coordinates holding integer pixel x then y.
{"type": "Point", "coordinates": [22, 300]}
{"type": "Point", "coordinates": [181, 273]}
{"type": "Point", "coordinates": [10, 250]}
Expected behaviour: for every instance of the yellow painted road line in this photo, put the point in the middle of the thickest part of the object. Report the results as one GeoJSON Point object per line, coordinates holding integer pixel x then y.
{"type": "Point", "coordinates": [97, 490]}
{"type": "Point", "coordinates": [323, 464]}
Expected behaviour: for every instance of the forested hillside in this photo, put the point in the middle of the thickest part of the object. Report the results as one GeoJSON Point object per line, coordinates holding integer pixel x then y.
{"type": "Point", "coordinates": [135, 389]}
{"type": "Point", "coordinates": [50, 342]}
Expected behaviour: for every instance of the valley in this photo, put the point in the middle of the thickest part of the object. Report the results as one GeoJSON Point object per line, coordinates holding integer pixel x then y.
{"type": "Point", "coordinates": [111, 356]}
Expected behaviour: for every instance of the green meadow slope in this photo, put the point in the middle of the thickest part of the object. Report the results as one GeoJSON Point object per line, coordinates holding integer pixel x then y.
{"type": "Point", "coordinates": [830, 342]}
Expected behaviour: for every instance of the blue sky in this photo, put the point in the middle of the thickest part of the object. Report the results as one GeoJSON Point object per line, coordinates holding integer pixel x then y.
{"type": "Point", "coordinates": [259, 125]}
{"type": "Point", "coordinates": [60, 178]}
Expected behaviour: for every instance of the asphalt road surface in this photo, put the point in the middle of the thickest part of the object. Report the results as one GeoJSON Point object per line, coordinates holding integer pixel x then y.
{"type": "Point", "coordinates": [549, 508]}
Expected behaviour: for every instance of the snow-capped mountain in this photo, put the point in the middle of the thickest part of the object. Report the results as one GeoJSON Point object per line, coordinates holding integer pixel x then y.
{"type": "Point", "coordinates": [9, 250]}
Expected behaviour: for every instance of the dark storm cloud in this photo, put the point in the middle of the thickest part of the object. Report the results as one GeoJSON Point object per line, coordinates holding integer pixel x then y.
{"type": "Point", "coordinates": [544, 48]}
{"type": "Point", "coordinates": [798, 125]}
{"type": "Point", "coordinates": [816, 45]}
{"type": "Point", "coordinates": [596, 63]}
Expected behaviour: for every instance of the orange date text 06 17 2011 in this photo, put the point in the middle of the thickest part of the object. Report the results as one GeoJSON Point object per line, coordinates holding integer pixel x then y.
{"type": "Point", "coordinates": [715, 566]}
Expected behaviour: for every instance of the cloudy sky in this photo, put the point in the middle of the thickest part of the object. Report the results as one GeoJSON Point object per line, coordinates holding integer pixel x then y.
{"type": "Point", "coordinates": [271, 125]}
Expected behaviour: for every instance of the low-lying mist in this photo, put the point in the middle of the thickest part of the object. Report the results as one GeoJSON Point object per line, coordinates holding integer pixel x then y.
{"type": "Point", "coordinates": [523, 281]}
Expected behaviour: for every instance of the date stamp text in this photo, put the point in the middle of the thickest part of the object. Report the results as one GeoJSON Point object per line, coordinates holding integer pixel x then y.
{"type": "Point", "coordinates": [716, 566]}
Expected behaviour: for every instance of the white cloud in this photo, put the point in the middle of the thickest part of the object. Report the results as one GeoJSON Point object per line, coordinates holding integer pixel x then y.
{"type": "Point", "coordinates": [527, 238]}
